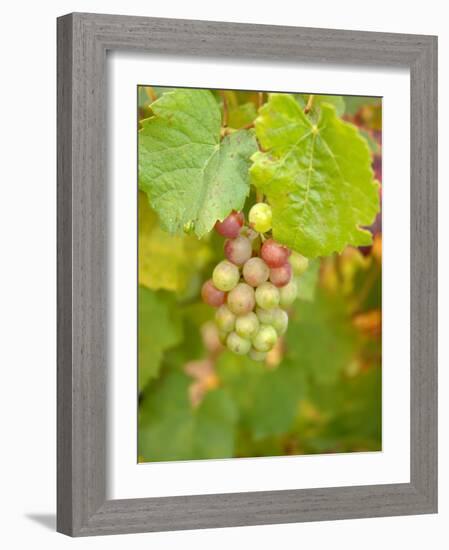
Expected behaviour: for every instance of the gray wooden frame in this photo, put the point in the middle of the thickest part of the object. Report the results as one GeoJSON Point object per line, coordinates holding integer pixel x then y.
{"type": "Point", "coordinates": [83, 40]}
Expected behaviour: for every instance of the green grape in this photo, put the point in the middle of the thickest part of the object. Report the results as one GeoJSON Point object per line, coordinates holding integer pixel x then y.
{"type": "Point", "coordinates": [260, 217]}
{"type": "Point", "coordinates": [241, 299]}
{"type": "Point", "coordinates": [265, 339]}
{"type": "Point", "coordinates": [299, 263]}
{"type": "Point", "coordinates": [288, 294]}
{"type": "Point", "coordinates": [267, 296]}
{"type": "Point", "coordinates": [237, 344]}
{"type": "Point", "coordinates": [257, 355]}
{"type": "Point", "coordinates": [225, 276]}
{"type": "Point", "coordinates": [247, 325]}
{"type": "Point", "coordinates": [265, 316]}
{"type": "Point", "coordinates": [279, 320]}
{"type": "Point", "coordinates": [225, 319]}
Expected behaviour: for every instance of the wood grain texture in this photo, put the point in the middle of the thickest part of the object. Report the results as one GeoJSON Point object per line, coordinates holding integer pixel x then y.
{"type": "Point", "coordinates": [83, 40]}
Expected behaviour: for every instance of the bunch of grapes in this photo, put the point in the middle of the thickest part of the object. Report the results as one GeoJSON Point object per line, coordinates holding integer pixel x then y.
{"type": "Point", "coordinates": [254, 285]}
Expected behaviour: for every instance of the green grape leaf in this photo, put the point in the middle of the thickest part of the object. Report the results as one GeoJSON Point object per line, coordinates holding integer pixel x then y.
{"type": "Point", "coordinates": [267, 399]}
{"type": "Point", "coordinates": [307, 282]}
{"type": "Point", "coordinates": [194, 317]}
{"type": "Point", "coordinates": [317, 178]}
{"type": "Point", "coordinates": [170, 429]}
{"type": "Point", "coordinates": [159, 330]}
{"type": "Point", "coordinates": [374, 145]}
{"type": "Point", "coordinates": [169, 262]}
{"type": "Point", "coordinates": [321, 337]}
{"type": "Point", "coordinates": [352, 412]}
{"type": "Point", "coordinates": [192, 178]}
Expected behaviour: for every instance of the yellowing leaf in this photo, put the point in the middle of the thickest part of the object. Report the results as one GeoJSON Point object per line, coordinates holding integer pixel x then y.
{"type": "Point", "coordinates": [241, 115]}
{"type": "Point", "coordinates": [167, 261]}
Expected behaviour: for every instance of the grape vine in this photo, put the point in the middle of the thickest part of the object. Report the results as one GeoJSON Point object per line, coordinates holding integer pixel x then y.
{"type": "Point", "coordinates": [259, 273]}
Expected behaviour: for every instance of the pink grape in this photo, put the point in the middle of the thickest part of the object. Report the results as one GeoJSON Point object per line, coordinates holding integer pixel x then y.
{"type": "Point", "coordinates": [230, 226]}
{"type": "Point", "coordinates": [274, 254]}
{"type": "Point", "coordinates": [211, 295]}
{"type": "Point", "coordinates": [280, 276]}
{"type": "Point", "coordinates": [238, 250]}
{"type": "Point", "coordinates": [255, 271]}
{"type": "Point", "coordinates": [241, 299]}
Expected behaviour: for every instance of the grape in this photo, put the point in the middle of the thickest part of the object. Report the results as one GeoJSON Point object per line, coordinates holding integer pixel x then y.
{"type": "Point", "coordinates": [280, 276]}
{"type": "Point", "coordinates": [279, 320]}
{"type": "Point", "coordinates": [253, 274]}
{"type": "Point", "coordinates": [265, 339]}
{"type": "Point", "coordinates": [230, 226]}
{"type": "Point", "coordinates": [265, 316]}
{"type": "Point", "coordinates": [255, 271]}
{"type": "Point", "coordinates": [299, 263]}
{"type": "Point", "coordinates": [247, 325]}
{"type": "Point", "coordinates": [241, 299]}
{"type": "Point", "coordinates": [288, 294]}
{"type": "Point", "coordinates": [238, 250]}
{"type": "Point", "coordinates": [267, 296]}
{"type": "Point", "coordinates": [225, 319]}
{"type": "Point", "coordinates": [237, 344]}
{"type": "Point", "coordinates": [225, 275]}
{"type": "Point", "coordinates": [211, 295]}
{"type": "Point", "coordinates": [274, 254]}
{"type": "Point", "coordinates": [257, 355]}
{"type": "Point", "coordinates": [260, 217]}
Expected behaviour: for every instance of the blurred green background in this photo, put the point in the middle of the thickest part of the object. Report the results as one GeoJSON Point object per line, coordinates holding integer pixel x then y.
{"type": "Point", "coordinates": [320, 389]}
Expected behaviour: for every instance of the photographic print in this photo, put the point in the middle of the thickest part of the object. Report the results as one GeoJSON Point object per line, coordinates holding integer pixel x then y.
{"type": "Point", "coordinates": [259, 273]}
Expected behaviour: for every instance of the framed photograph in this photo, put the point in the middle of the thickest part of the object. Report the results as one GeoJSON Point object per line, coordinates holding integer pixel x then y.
{"type": "Point", "coordinates": [247, 274]}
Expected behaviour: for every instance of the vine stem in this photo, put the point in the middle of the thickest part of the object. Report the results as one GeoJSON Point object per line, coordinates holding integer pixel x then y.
{"type": "Point", "coordinates": [150, 93]}
{"type": "Point", "coordinates": [225, 109]}
{"type": "Point", "coordinates": [259, 196]}
{"type": "Point", "coordinates": [309, 104]}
